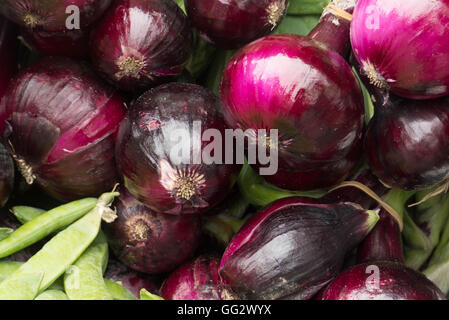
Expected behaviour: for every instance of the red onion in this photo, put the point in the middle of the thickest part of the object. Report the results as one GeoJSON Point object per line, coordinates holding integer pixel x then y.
{"type": "Point", "coordinates": [51, 15]}
{"type": "Point", "coordinates": [318, 109]}
{"type": "Point", "coordinates": [151, 170]}
{"type": "Point", "coordinates": [8, 57]}
{"type": "Point", "coordinates": [141, 43]}
{"type": "Point", "coordinates": [6, 175]}
{"type": "Point", "coordinates": [70, 43]}
{"type": "Point", "coordinates": [64, 121]}
{"type": "Point", "coordinates": [402, 45]}
{"type": "Point", "coordinates": [234, 23]}
{"type": "Point", "coordinates": [196, 280]}
{"type": "Point", "coordinates": [292, 249]}
{"type": "Point", "coordinates": [382, 280]}
{"type": "Point", "coordinates": [150, 242]}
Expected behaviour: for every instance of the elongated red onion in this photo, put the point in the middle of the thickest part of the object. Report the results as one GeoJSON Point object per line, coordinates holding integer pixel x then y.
{"type": "Point", "coordinates": [141, 43]}
{"type": "Point", "coordinates": [6, 175]}
{"type": "Point", "coordinates": [196, 280]}
{"type": "Point", "coordinates": [292, 249]}
{"type": "Point", "coordinates": [51, 15]}
{"type": "Point", "coordinates": [302, 88]}
{"type": "Point", "coordinates": [155, 170]}
{"type": "Point", "coordinates": [63, 121]}
{"type": "Point", "coordinates": [382, 280]}
{"type": "Point", "coordinates": [151, 242]}
{"type": "Point", "coordinates": [402, 45]}
{"type": "Point", "coordinates": [70, 43]}
{"type": "Point", "coordinates": [8, 57]}
{"type": "Point", "coordinates": [234, 23]}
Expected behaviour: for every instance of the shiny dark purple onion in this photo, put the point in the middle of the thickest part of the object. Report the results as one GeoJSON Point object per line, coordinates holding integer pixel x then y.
{"type": "Point", "coordinates": [196, 280]}
{"type": "Point", "coordinates": [382, 280]}
{"type": "Point", "coordinates": [153, 171]}
{"type": "Point", "coordinates": [63, 121]}
{"type": "Point", "coordinates": [141, 43]}
{"type": "Point", "coordinates": [150, 242]}
{"type": "Point", "coordinates": [234, 23]}
{"type": "Point", "coordinates": [292, 249]}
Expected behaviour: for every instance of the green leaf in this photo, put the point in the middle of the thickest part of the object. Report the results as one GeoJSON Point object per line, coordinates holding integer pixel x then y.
{"type": "Point", "coordinates": [298, 7]}
{"type": "Point", "coordinates": [300, 25]}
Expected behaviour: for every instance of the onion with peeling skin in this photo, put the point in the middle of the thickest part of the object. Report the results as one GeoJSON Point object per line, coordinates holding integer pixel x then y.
{"type": "Point", "coordinates": [148, 150]}
{"type": "Point", "coordinates": [234, 23]}
{"type": "Point", "coordinates": [51, 15]}
{"type": "Point", "coordinates": [63, 121]}
{"type": "Point", "coordinates": [151, 242]}
{"type": "Point", "coordinates": [141, 43]}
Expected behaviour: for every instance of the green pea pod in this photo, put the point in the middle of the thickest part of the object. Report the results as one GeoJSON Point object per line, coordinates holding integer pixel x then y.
{"type": "Point", "coordinates": [8, 267]}
{"type": "Point", "coordinates": [5, 232]}
{"type": "Point", "coordinates": [65, 248]}
{"type": "Point", "coordinates": [145, 295]}
{"type": "Point", "coordinates": [47, 223]}
{"type": "Point", "coordinates": [84, 279]}
{"type": "Point", "coordinates": [118, 292]}
{"type": "Point", "coordinates": [25, 214]}
{"type": "Point", "coordinates": [24, 288]}
{"type": "Point", "coordinates": [52, 295]}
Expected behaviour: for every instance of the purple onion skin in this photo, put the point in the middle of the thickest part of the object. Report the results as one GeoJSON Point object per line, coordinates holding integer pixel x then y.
{"type": "Point", "coordinates": [70, 43]}
{"type": "Point", "coordinates": [141, 43]}
{"type": "Point", "coordinates": [145, 144]}
{"type": "Point", "coordinates": [50, 15]}
{"type": "Point", "coordinates": [196, 280]}
{"type": "Point", "coordinates": [396, 282]}
{"type": "Point", "coordinates": [6, 175]}
{"type": "Point", "coordinates": [64, 121]}
{"type": "Point", "coordinates": [407, 143]}
{"type": "Point", "coordinates": [318, 109]}
{"type": "Point", "coordinates": [291, 248]}
{"type": "Point", "coordinates": [232, 24]}
{"type": "Point", "coordinates": [383, 243]}
{"type": "Point", "coordinates": [151, 242]}
{"type": "Point", "coordinates": [324, 177]}
{"type": "Point", "coordinates": [131, 280]}
{"type": "Point", "coordinates": [405, 43]}
{"type": "Point", "coordinates": [8, 56]}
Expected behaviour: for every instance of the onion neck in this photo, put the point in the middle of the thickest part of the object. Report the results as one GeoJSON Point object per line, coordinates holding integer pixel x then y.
{"type": "Point", "coordinates": [334, 26]}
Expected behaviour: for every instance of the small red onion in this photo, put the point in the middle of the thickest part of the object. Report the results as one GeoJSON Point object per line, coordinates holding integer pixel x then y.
{"type": "Point", "coordinates": [6, 175]}
{"type": "Point", "coordinates": [402, 45]}
{"type": "Point", "coordinates": [151, 242]}
{"type": "Point", "coordinates": [63, 121]}
{"type": "Point", "coordinates": [234, 23]}
{"type": "Point", "coordinates": [151, 170]}
{"type": "Point", "coordinates": [196, 280]}
{"type": "Point", "coordinates": [141, 43]}
{"type": "Point", "coordinates": [51, 15]}
{"type": "Point", "coordinates": [382, 280]}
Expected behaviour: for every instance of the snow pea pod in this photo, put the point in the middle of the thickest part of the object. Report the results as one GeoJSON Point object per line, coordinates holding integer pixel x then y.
{"type": "Point", "coordinates": [47, 223]}
{"type": "Point", "coordinates": [52, 295]}
{"type": "Point", "coordinates": [63, 249]}
{"type": "Point", "coordinates": [8, 267]}
{"type": "Point", "coordinates": [24, 288]}
{"type": "Point", "coordinates": [84, 279]}
{"type": "Point", "coordinates": [118, 292]}
{"type": "Point", "coordinates": [26, 214]}
{"type": "Point", "coordinates": [5, 232]}
{"type": "Point", "coordinates": [146, 295]}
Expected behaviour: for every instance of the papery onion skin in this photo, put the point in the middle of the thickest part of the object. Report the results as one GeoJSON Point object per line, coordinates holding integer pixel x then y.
{"type": "Point", "coordinates": [70, 43]}
{"type": "Point", "coordinates": [146, 143]}
{"type": "Point", "coordinates": [6, 175]}
{"type": "Point", "coordinates": [292, 248]}
{"type": "Point", "coordinates": [141, 43]}
{"type": "Point", "coordinates": [407, 143]}
{"type": "Point", "coordinates": [298, 86]}
{"type": "Point", "coordinates": [195, 280]}
{"type": "Point", "coordinates": [51, 15]}
{"type": "Point", "coordinates": [151, 242]}
{"type": "Point", "coordinates": [64, 121]}
{"type": "Point", "coordinates": [395, 282]}
{"type": "Point", "coordinates": [232, 24]}
{"type": "Point", "coordinates": [403, 45]}
{"type": "Point", "coordinates": [8, 56]}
